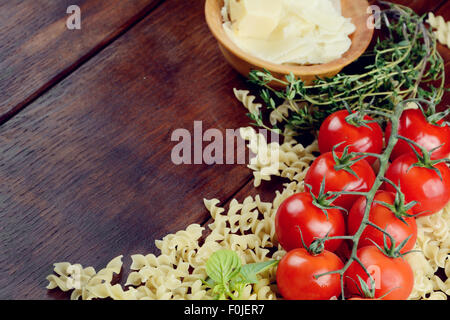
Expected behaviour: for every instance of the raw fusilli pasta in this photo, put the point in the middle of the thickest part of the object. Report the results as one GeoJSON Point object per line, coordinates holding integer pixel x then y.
{"type": "Point", "coordinates": [248, 228]}
{"type": "Point", "coordinates": [433, 242]}
{"type": "Point", "coordinates": [84, 282]}
{"type": "Point", "coordinates": [442, 28]}
{"type": "Point", "coordinates": [247, 100]}
{"type": "Point", "coordinates": [168, 276]}
{"type": "Point", "coordinates": [289, 160]}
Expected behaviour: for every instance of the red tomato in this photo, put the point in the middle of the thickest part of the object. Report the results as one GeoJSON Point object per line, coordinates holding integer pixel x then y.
{"type": "Point", "coordinates": [413, 125]}
{"type": "Point", "coordinates": [296, 271]}
{"type": "Point", "coordinates": [335, 129]}
{"type": "Point", "coordinates": [340, 180]}
{"type": "Point", "coordinates": [385, 219]}
{"type": "Point", "coordinates": [420, 184]}
{"type": "Point", "coordinates": [299, 211]}
{"type": "Point", "coordinates": [393, 277]}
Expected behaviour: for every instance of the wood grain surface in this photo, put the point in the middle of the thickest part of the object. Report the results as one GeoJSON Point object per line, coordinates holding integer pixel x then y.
{"type": "Point", "coordinates": [421, 6]}
{"type": "Point", "coordinates": [91, 175]}
{"type": "Point", "coordinates": [37, 49]}
{"type": "Point", "coordinates": [85, 169]}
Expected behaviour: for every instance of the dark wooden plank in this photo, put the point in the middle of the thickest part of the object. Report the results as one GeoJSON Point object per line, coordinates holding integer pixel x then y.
{"type": "Point", "coordinates": [444, 8]}
{"type": "Point", "coordinates": [86, 171]}
{"type": "Point", "coordinates": [444, 11]}
{"type": "Point", "coordinates": [445, 103]}
{"type": "Point", "coordinates": [420, 6]}
{"type": "Point", "coordinates": [37, 49]}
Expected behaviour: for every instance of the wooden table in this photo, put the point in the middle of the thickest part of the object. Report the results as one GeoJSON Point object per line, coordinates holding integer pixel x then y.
{"type": "Point", "coordinates": [86, 118]}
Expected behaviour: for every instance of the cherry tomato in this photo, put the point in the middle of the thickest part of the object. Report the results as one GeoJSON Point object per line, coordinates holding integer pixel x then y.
{"type": "Point", "coordinates": [296, 271]}
{"type": "Point", "coordinates": [413, 125]}
{"type": "Point", "coordinates": [298, 211]}
{"type": "Point", "coordinates": [339, 180]}
{"type": "Point", "coordinates": [383, 218]}
{"type": "Point", "coordinates": [393, 277]}
{"type": "Point", "coordinates": [335, 130]}
{"type": "Point", "coordinates": [420, 184]}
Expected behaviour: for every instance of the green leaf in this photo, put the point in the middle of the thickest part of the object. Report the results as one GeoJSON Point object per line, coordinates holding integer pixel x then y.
{"type": "Point", "coordinates": [223, 266]}
{"type": "Point", "coordinates": [209, 282]}
{"type": "Point", "coordinates": [237, 286]}
{"type": "Point", "coordinates": [249, 271]}
{"type": "Point", "coordinates": [219, 290]}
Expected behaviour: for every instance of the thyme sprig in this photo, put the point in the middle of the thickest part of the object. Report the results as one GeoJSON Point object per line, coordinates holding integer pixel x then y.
{"type": "Point", "coordinates": [402, 65]}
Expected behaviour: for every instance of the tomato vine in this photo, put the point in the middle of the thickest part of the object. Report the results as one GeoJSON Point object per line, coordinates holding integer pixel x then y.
{"type": "Point", "coordinates": [370, 196]}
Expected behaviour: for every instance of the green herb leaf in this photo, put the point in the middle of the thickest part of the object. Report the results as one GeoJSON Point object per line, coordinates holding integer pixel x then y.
{"type": "Point", "coordinates": [249, 271]}
{"type": "Point", "coordinates": [209, 282]}
{"type": "Point", "coordinates": [223, 266]}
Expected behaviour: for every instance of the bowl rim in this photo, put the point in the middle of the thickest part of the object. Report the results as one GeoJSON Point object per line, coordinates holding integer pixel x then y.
{"type": "Point", "coordinates": [311, 70]}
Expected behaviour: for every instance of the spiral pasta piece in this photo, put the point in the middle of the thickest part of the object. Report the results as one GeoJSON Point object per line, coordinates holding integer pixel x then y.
{"type": "Point", "coordinates": [433, 244]}
{"type": "Point", "coordinates": [442, 28]}
{"type": "Point", "coordinates": [290, 160]}
{"type": "Point", "coordinates": [247, 101]}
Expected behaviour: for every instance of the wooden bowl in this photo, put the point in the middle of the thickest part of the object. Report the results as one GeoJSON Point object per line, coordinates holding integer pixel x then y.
{"type": "Point", "coordinates": [244, 62]}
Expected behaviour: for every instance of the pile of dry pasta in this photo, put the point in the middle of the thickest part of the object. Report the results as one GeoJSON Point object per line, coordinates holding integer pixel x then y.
{"type": "Point", "coordinates": [247, 228]}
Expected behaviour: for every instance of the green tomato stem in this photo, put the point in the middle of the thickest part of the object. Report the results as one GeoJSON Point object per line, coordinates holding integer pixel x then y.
{"type": "Point", "coordinates": [370, 196]}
